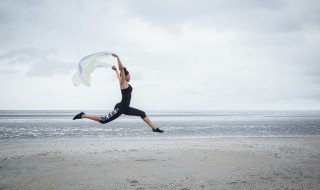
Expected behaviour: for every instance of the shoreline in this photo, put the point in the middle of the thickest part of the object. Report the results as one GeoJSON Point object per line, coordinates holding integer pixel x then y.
{"type": "Point", "coordinates": [250, 163]}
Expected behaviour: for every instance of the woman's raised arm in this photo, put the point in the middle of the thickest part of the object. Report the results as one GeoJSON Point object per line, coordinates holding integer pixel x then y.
{"type": "Point", "coordinates": [117, 73]}
{"type": "Point", "coordinates": [121, 68]}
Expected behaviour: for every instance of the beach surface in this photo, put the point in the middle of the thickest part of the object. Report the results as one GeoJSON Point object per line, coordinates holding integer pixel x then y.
{"type": "Point", "coordinates": [181, 163]}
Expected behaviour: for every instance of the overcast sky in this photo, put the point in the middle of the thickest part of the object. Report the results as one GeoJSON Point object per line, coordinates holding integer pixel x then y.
{"type": "Point", "coordinates": [182, 55]}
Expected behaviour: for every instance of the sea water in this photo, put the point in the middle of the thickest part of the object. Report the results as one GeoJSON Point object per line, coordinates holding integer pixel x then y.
{"type": "Point", "coordinates": [17, 124]}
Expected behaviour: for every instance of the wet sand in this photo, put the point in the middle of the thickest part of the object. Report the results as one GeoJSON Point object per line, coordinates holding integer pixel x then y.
{"type": "Point", "coordinates": [243, 163]}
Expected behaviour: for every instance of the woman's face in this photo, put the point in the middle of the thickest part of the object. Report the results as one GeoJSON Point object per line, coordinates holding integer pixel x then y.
{"type": "Point", "coordinates": [127, 77]}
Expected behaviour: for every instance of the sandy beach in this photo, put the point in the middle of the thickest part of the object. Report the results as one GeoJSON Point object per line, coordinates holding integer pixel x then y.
{"type": "Point", "coordinates": [235, 163]}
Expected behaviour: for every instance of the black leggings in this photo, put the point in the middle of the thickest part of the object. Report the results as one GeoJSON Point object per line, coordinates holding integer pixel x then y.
{"type": "Point", "coordinates": [119, 109]}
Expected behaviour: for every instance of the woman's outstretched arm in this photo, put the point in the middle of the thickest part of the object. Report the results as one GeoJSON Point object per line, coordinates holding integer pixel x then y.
{"type": "Point", "coordinates": [121, 68]}
{"type": "Point", "coordinates": [117, 73]}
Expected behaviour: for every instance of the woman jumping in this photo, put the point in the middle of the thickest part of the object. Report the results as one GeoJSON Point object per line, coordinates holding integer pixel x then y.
{"type": "Point", "coordinates": [123, 106]}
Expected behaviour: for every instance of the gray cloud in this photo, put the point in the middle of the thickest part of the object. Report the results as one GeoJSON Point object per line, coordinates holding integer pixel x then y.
{"type": "Point", "coordinates": [47, 67]}
{"type": "Point", "coordinates": [41, 62]}
{"type": "Point", "coordinates": [250, 15]}
{"type": "Point", "coordinates": [176, 11]}
{"type": "Point", "coordinates": [22, 56]}
{"type": "Point", "coordinates": [259, 23]}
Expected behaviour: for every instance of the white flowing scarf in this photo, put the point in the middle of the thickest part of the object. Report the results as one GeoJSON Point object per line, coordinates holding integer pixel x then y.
{"type": "Point", "coordinates": [87, 65]}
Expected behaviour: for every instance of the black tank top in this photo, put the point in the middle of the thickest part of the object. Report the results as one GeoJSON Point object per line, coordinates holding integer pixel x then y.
{"type": "Point", "coordinates": [126, 96]}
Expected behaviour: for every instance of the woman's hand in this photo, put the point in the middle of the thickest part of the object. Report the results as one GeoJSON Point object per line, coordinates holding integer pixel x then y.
{"type": "Point", "coordinates": [114, 68]}
{"type": "Point", "coordinates": [114, 55]}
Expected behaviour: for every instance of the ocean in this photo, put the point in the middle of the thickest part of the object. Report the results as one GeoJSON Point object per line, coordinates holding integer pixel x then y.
{"type": "Point", "coordinates": [58, 124]}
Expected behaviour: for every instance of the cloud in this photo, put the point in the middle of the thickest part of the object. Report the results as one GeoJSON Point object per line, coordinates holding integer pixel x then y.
{"type": "Point", "coordinates": [39, 62]}
{"type": "Point", "coordinates": [22, 56]}
{"type": "Point", "coordinates": [224, 15]}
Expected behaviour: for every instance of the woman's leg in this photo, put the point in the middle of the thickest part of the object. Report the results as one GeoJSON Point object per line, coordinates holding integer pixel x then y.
{"type": "Point", "coordinates": [88, 116]}
{"type": "Point", "coordinates": [93, 117]}
{"type": "Point", "coordinates": [118, 110]}
{"type": "Point", "coordinates": [147, 120]}
{"type": "Point", "coordinates": [142, 114]}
